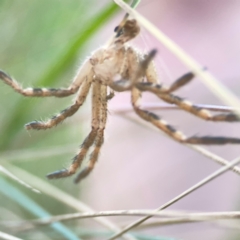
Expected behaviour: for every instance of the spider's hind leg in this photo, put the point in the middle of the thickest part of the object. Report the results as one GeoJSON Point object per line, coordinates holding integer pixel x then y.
{"type": "Point", "coordinates": [171, 131]}
{"type": "Point", "coordinates": [99, 111]}
{"type": "Point", "coordinates": [99, 138]}
{"type": "Point", "coordinates": [93, 157]}
{"type": "Point", "coordinates": [77, 160]}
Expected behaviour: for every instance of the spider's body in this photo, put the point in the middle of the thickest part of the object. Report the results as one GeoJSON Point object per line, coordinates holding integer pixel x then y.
{"type": "Point", "coordinates": [119, 67]}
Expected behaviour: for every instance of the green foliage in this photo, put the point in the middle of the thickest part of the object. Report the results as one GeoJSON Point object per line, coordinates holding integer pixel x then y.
{"type": "Point", "coordinates": [44, 49]}
{"type": "Point", "coordinates": [40, 44]}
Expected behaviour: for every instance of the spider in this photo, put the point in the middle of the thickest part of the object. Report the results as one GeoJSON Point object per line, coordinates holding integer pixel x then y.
{"type": "Point", "coordinates": [136, 73]}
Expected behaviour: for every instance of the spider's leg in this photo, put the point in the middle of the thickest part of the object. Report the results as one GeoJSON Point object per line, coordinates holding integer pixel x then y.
{"type": "Point", "coordinates": [198, 111]}
{"type": "Point", "coordinates": [136, 70]}
{"type": "Point", "coordinates": [99, 138]}
{"type": "Point", "coordinates": [89, 140]}
{"type": "Point", "coordinates": [147, 68]}
{"type": "Point", "coordinates": [164, 93]}
{"type": "Point", "coordinates": [171, 131]}
{"type": "Point", "coordinates": [66, 112]}
{"type": "Point", "coordinates": [48, 92]}
{"type": "Point", "coordinates": [38, 92]}
{"type": "Point", "coordinates": [152, 86]}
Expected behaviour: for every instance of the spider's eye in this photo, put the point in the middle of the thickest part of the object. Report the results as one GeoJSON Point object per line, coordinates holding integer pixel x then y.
{"type": "Point", "coordinates": [116, 28]}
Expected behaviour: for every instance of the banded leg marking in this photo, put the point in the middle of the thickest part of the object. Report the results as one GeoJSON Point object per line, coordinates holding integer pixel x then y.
{"type": "Point", "coordinates": [99, 138]}
{"type": "Point", "coordinates": [38, 92]}
{"type": "Point", "coordinates": [55, 120]}
{"type": "Point", "coordinates": [93, 157]}
{"type": "Point", "coordinates": [197, 111]}
{"type": "Point", "coordinates": [89, 140]}
{"type": "Point", "coordinates": [159, 89]}
{"type": "Point", "coordinates": [77, 160]}
{"type": "Point", "coordinates": [171, 131]}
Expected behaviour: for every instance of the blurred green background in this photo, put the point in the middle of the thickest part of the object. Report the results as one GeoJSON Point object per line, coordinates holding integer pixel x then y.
{"type": "Point", "coordinates": [41, 43]}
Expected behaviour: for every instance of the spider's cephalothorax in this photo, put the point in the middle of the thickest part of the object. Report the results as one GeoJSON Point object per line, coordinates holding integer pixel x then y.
{"type": "Point", "coordinates": [118, 67]}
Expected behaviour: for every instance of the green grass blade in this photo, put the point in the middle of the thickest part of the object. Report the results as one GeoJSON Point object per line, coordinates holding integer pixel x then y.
{"type": "Point", "coordinates": [61, 64]}
{"type": "Point", "coordinates": [22, 199]}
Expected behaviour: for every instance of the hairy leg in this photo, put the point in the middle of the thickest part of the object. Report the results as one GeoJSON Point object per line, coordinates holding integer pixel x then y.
{"type": "Point", "coordinates": [38, 92]}
{"type": "Point", "coordinates": [89, 140]}
{"type": "Point", "coordinates": [198, 111]}
{"type": "Point", "coordinates": [159, 89]}
{"type": "Point", "coordinates": [99, 138]}
{"type": "Point", "coordinates": [171, 131]}
{"type": "Point", "coordinates": [49, 92]}
{"type": "Point", "coordinates": [55, 120]}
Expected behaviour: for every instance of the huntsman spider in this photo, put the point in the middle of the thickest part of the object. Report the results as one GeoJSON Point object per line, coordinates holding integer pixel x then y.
{"type": "Point", "coordinates": [118, 67]}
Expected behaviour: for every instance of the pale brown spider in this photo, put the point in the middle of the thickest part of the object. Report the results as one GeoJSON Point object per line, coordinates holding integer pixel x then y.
{"type": "Point", "coordinates": [136, 72]}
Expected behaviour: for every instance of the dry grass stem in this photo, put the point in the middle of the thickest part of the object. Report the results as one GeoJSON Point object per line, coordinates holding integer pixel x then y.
{"type": "Point", "coordinates": [50, 190]}
{"type": "Point", "coordinates": [169, 217]}
{"type": "Point", "coordinates": [9, 174]}
{"type": "Point", "coordinates": [182, 195]}
{"type": "Point", "coordinates": [5, 236]}
{"type": "Point", "coordinates": [199, 149]}
{"type": "Point", "coordinates": [166, 107]}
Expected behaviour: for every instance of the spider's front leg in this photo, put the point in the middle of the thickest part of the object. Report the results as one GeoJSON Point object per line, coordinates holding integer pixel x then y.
{"type": "Point", "coordinates": [48, 92]}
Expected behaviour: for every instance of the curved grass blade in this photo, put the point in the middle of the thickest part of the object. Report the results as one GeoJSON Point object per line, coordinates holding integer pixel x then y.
{"type": "Point", "coordinates": [14, 194]}
{"type": "Point", "coordinates": [67, 58]}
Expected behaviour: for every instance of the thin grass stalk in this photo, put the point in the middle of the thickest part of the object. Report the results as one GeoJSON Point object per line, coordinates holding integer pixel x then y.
{"type": "Point", "coordinates": [61, 196]}
{"type": "Point", "coordinates": [180, 196]}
